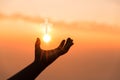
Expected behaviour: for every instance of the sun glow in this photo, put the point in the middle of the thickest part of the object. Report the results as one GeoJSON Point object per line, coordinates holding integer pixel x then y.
{"type": "Point", "coordinates": [46, 30]}
{"type": "Point", "coordinates": [46, 38]}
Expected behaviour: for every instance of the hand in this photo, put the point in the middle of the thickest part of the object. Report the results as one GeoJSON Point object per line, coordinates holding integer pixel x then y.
{"type": "Point", "coordinates": [42, 59]}
{"type": "Point", "coordinates": [46, 57]}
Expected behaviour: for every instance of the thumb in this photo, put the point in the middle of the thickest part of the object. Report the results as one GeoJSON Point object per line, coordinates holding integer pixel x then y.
{"type": "Point", "coordinates": [37, 50]}
{"type": "Point", "coordinates": [37, 43]}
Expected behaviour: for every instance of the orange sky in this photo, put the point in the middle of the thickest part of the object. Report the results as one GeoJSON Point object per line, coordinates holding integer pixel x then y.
{"type": "Point", "coordinates": [95, 44]}
{"type": "Point", "coordinates": [31, 26]}
{"type": "Point", "coordinates": [93, 25]}
{"type": "Point", "coordinates": [107, 11]}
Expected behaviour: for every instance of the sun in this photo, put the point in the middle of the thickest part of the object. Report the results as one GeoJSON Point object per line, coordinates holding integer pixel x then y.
{"type": "Point", "coordinates": [46, 38]}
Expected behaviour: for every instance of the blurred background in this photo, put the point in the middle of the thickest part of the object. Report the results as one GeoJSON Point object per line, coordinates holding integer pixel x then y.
{"type": "Point", "coordinates": [94, 25]}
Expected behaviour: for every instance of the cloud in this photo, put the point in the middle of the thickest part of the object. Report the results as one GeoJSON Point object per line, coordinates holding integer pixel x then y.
{"type": "Point", "coordinates": [23, 17]}
{"type": "Point", "coordinates": [82, 25]}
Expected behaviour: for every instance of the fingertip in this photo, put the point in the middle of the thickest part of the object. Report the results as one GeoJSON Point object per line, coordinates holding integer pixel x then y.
{"type": "Point", "coordinates": [38, 39]}
{"type": "Point", "coordinates": [69, 43]}
{"type": "Point", "coordinates": [37, 42]}
{"type": "Point", "coordinates": [62, 44]}
{"type": "Point", "coordinates": [63, 41]}
{"type": "Point", "coordinates": [68, 38]}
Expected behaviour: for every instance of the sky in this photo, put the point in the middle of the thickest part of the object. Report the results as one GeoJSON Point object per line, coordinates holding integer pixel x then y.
{"type": "Point", "coordinates": [107, 11]}
{"type": "Point", "coordinates": [93, 26]}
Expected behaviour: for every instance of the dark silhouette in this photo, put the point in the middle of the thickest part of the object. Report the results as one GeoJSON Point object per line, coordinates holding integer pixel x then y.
{"type": "Point", "coordinates": [43, 58]}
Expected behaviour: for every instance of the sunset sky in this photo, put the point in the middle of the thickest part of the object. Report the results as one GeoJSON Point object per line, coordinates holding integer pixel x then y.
{"type": "Point", "coordinates": [94, 25]}
{"type": "Point", "coordinates": [69, 10]}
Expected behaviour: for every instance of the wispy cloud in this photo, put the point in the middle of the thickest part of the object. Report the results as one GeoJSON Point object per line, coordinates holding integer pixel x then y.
{"type": "Point", "coordinates": [82, 25]}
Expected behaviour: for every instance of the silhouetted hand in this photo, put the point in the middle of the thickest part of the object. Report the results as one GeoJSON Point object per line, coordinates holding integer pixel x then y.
{"type": "Point", "coordinates": [46, 57]}
{"type": "Point", "coordinates": [42, 59]}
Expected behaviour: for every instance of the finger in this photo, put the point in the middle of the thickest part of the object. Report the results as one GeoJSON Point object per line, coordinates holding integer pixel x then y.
{"type": "Point", "coordinates": [37, 50]}
{"type": "Point", "coordinates": [37, 43]}
{"type": "Point", "coordinates": [68, 44]}
{"type": "Point", "coordinates": [61, 44]}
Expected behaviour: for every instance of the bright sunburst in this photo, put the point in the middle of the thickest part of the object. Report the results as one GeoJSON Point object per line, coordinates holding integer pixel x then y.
{"type": "Point", "coordinates": [46, 38]}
